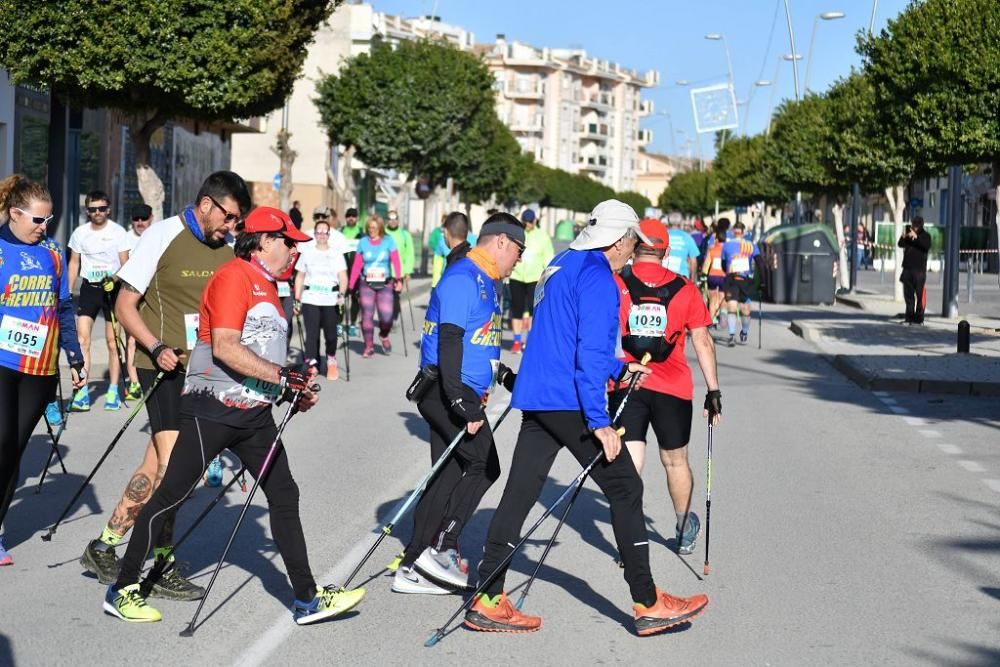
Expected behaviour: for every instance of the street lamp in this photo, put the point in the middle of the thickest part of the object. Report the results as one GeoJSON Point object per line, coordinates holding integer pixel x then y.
{"type": "Point", "coordinates": [760, 83]}
{"type": "Point", "coordinates": [777, 73]}
{"type": "Point", "coordinates": [825, 16]}
{"type": "Point", "coordinates": [791, 41]}
{"type": "Point", "coordinates": [719, 37]}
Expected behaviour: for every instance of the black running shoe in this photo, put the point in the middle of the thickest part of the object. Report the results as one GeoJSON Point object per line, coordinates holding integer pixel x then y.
{"type": "Point", "coordinates": [173, 586]}
{"type": "Point", "coordinates": [743, 338]}
{"type": "Point", "coordinates": [100, 559]}
{"type": "Point", "coordinates": [731, 342]}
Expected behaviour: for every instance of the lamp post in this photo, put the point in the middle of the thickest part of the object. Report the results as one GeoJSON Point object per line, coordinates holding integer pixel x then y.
{"type": "Point", "coordinates": [774, 86]}
{"type": "Point", "coordinates": [825, 16]}
{"type": "Point", "coordinates": [761, 83]}
{"type": "Point", "coordinates": [791, 41]}
{"type": "Point", "coordinates": [719, 37]}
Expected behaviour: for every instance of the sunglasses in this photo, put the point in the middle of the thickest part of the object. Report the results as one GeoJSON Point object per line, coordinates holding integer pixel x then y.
{"type": "Point", "coordinates": [289, 243]}
{"type": "Point", "coordinates": [97, 209]}
{"type": "Point", "coordinates": [520, 248]}
{"type": "Point", "coordinates": [230, 217]}
{"type": "Point", "coordinates": [37, 219]}
{"type": "Point", "coordinates": [140, 219]}
{"type": "Point", "coordinates": [320, 216]}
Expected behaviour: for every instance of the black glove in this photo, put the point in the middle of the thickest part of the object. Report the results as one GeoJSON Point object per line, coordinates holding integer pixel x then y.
{"type": "Point", "coordinates": [468, 411]}
{"type": "Point", "coordinates": [295, 377]}
{"type": "Point", "coordinates": [78, 367]}
{"type": "Point", "coordinates": [713, 403]}
{"type": "Point", "coordinates": [506, 377]}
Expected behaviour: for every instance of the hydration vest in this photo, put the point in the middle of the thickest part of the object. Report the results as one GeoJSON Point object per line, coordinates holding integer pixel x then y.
{"type": "Point", "coordinates": [647, 317]}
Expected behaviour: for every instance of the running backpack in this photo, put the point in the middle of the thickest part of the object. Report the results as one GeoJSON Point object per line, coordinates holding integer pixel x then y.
{"type": "Point", "coordinates": [647, 318]}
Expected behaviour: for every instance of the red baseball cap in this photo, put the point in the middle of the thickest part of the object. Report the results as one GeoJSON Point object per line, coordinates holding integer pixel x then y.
{"type": "Point", "coordinates": [656, 232]}
{"type": "Point", "coordinates": [273, 221]}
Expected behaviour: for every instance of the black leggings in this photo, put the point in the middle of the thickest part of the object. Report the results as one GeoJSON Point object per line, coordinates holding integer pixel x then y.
{"type": "Point", "coordinates": [454, 493]}
{"type": "Point", "coordinates": [198, 443]}
{"type": "Point", "coordinates": [23, 398]}
{"type": "Point", "coordinates": [317, 319]}
{"type": "Point", "coordinates": [542, 435]}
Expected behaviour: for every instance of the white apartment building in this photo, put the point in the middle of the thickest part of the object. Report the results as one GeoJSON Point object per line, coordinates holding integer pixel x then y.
{"type": "Point", "coordinates": [572, 112]}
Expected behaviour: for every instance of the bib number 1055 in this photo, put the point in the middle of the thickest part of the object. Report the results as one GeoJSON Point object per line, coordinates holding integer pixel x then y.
{"type": "Point", "coordinates": [22, 337]}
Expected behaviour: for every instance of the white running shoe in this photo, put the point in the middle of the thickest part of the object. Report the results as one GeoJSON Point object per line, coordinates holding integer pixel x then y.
{"type": "Point", "coordinates": [408, 580]}
{"type": "Point", "coordinates": [443, 566]}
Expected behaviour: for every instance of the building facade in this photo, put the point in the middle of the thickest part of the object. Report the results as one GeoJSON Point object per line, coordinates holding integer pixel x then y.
{"type": "Point", "coordinates": [654, 171]}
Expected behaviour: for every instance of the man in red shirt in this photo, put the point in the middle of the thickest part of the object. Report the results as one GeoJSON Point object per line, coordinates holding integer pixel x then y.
{"type": "Point", "coordinates": [658, 309]}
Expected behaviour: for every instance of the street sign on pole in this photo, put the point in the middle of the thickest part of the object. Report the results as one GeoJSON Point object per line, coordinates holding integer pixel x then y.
{"type": "Point", "coordinates": [714, 108]}
{"type": "Point", "coordinates": [276, 182]}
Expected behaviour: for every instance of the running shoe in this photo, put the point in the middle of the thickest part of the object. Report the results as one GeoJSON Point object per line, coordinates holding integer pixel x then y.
{"type": "Point", "coordinates": [100, 559]}
{"type": "Point", "coordinates": [386, 345]}
{"type": "Point", "coordinates": [340, 331]}
{"type": "Point", "coordinates": [692, 529]}
{"type": "Point", "coordinates": [499, 616]}
{"type": "Point", "coordinates": [516, 347]}
{"type": "Point", "coordinates": [731, 342]}
{"type": "Point", "coordinates": [134, 392]}
{"type": "Point", "coordinates": [353, 331]}
{"type": "Point", "coordinates": [367, 354]}
{"type": "Point", "coordinates": [329, 601]}
{"type": "Point", "coordinates": [111, 400]}
{"type": "Point", "coordinates": [129, 605]}
{"type": "Point", "coordinates": [667, 612]}
{"type": "Point", "coordinates": [213, 476]}
{"type": "Point", "coordinates": [395, 562]}
{"type": "Point", "coordinates": [332, 372]}
{"type": "Point", "coordinates": [53, 414]}
{"type": "Point", "coordinates": [81, 401]}
{"type": "Point", "coordinates": [409, 580]}
{"type": "Point", "coordinates": [444, 566]}
{"type": "Point", "coordinates": [173, 586]}
{"type": "Point", "coordinates": [5, 557]}
{"type": "Point", "coordinates": [743, 337]}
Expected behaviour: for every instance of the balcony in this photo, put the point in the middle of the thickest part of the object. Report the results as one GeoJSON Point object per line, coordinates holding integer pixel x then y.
{"type": "Point", "coordinates": [594, 131]}
{"type": "Point", "coordinates": [645, 108]}
{"type": "Point", "coordinates": [644, 137]}
{"type": "Point", "coordinates": [524, 90]}
{"type": "Point", "coordinates": [532, 124]}
{"type": "Point", "coordinates": [597, 164]}
{"type": "Point", "coordinates": [601, 101]}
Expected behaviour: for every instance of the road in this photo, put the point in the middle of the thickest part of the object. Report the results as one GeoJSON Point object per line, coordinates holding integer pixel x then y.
{"type": "Point", "coordinates": [847, 528]}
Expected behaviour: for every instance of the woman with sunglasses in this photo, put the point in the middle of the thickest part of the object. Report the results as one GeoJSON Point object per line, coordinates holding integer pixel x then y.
{"type": "Point", "coordinates": [320, 283]}
{"type": "Point", "coordinates": [377, 264]}
{"type": "Point", "coordinates": [36, 319]}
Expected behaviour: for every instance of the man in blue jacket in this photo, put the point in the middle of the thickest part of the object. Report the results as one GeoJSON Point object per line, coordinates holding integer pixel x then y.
{"type": "Point", "coordinates": [562, 392]}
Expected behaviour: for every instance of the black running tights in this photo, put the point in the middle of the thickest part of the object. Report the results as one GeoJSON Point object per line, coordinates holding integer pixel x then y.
{"type": "Point", "coordinates": [320, 319]}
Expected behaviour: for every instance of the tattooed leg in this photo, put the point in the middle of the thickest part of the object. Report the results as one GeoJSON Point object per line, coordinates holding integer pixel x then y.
{"type": "Point", "coordinates": [137, 493]}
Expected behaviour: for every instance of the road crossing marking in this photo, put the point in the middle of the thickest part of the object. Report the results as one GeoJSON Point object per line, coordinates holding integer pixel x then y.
{"type": "Point", "coordinates": [899, 410]}
{"type": "Point", "coordinates": [927, 433]}
{"type": "Point", "coordinates": [971, 466]}
{"type": "Point", "coordinates": [948, 448]}
{"type": "Point", "coordinates": [993, 484]}
{"type": "Point", "coordinates": [915, 421]}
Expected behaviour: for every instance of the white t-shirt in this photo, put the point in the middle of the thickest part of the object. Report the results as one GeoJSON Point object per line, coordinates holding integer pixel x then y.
{"type": "Point", "coordinates": [98, 249]}
{"type": "Point", "coordinates": [133, 239]}
{"type": "Point", "coordinates": [321, 269]}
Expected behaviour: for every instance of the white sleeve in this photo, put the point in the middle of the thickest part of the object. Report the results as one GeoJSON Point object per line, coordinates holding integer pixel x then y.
{"type": "Point", "coordinates": [140, 268]}
{"type": "Point", "coordinates": [303, 264]}
{"type": "Point", "coordinates": [124, 244]}
{"type": "Point", "coordinates": [74, 240]}
{"type": "Point", "coordinates": [339, 263]}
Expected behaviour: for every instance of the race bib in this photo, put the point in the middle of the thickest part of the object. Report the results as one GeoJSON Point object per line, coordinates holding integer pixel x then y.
{"type": "Point", "coordinates": [739, 265]}
{"type": "Point", "coordinates": [674, 263]}
{"type": "Point", "coordinates": [284, 289]}
{"type": "Point", "coordinates": [716, 263]}
{"type": "Point", "coordinates": [321, 285]}
{"type": "Point", "coordinates": [98, 272]}
{"type": "Point", "coordinates": [22, 337]}
{"type": "Point", "coordinates": [261, 391]}
{"type": "Point", "coordinates": [375, 274]}
{"type": "Point", "coordinates": [647, 319]}
{"type": "Point", "coordinates": [191, 329]}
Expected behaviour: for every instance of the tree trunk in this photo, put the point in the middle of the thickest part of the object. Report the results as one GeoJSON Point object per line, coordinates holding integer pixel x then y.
{"type": "Point", "coordinates": [343, 180]}
{"type": "Point", "coordinates": [844, 272]}
{"type": "Point", "coordinates": [896, 195]}
{"type": "Point", "coordinates": [140, 129]}
{"type": "Point", "coordinates": [286, 158]}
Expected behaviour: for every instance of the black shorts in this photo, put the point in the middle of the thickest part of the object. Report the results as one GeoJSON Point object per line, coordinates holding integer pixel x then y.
{"type": "Point", "coordinates": [92, 301]}
{"type": "Point", "coordinates": [739, 289]}
{"type": "Point", "coordinates": [522, 298]}
{"type": "Point", "coordinates": [670, 416]}
{"type": "Point", "coordinates": [164, 405]}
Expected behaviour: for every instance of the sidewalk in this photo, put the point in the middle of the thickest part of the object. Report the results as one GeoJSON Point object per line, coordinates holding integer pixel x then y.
{"type": "Point", "coordinates": [862, 340]}
{"type": "Point", "coordinates": [875, 291]}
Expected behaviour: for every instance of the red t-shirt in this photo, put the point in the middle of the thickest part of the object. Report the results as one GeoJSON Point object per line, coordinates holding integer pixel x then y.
{"type": "Point", "coordinates": [686, 311]}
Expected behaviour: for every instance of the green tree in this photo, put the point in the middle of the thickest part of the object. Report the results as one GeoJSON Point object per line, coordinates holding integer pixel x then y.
{"type": "Point", "coordinates": [743, 175]}
{"type": "Point", "coordinates": [691, 193]}
{"type": "Point", "coordinates": [637, 201]}
{"type": "Point", "coordinates": [487, 164]}
{"type": "Point", "coordinates": [156, 60]}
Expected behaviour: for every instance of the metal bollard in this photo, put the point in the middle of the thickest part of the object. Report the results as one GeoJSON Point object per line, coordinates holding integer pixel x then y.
{"type": "Point", "coordinates": [970, 279]}
{"type": "Point", "coordinates": [964, 335]}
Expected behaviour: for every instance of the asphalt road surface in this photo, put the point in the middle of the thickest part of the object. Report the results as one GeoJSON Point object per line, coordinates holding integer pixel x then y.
{"type": "Point", "coordinates": [848, 528]}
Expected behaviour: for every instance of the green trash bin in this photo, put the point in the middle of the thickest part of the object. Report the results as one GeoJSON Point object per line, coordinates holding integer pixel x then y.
{"type": "Point", "coordinates": [799, 261]}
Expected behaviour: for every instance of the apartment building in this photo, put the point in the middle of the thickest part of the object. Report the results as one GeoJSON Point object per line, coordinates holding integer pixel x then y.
{"type": "Point", "coordinates": [654, 171]}
{"type": "Point", "coordinates": [570, 111]}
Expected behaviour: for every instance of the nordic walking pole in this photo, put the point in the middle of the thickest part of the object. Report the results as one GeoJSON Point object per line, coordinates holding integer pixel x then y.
{"type": "Point", "coordinates": [47, 537]}
{"type": "Point", "coordinates": [344, 314]}
{"type": "Point", "coordinates": [416, 493]}
{"type": "Point", "coordinates": [108, 285]}
{"type": "Point", "coordinates": [402, 330]}
{"type": "Point", "coordinates": [708, 493]}
{"type": "Point", "coordinates": [302, 335]}
{"type": "Point", "coordinates": [552, 540]}
{"type": "Point", "coordinates": [53, 452]}
{"type": "Point", "coordinates": [409, 302]}
{"type": "Point", "coordinates": [292, 409]}
{"type": "Point", "coordinates": [163, 565]}
{"type": "Point", "coordinates": [760, 319]}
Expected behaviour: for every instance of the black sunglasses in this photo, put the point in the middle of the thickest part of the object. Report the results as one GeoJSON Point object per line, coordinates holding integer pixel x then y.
{"type": "Point", "coordinates": [37, 219]}
{"type": "Point", "coordinates": [139, 219]}
{"type": "Point", "coordinates": [230, 217]}
{"type": "Point", "coordinates": [97, 209]}
{"type": "Point", "coordinates": [520, 247]}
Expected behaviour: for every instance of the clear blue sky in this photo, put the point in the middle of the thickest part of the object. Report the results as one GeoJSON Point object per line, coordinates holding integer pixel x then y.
{"type": "Point", "coordinates": [668, 35]}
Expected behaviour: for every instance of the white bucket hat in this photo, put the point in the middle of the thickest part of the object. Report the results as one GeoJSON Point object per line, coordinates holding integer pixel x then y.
{"type": "Point", "coordinates": [609, 221]}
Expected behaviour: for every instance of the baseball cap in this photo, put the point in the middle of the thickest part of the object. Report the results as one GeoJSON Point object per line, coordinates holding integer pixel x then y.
{"type": "Point", "coordinates": [656, 232]}
{"type": "Point", "coordinates": [392, 215]}
{"type": "Point", "coordinates": [142, 211]}
{"type": "Point", "coordinates": [273, 221]}
{"type": "Point", "coordinates": [322, 210]}
{"type": "Point", "coordinates": [609, 221]}
{"type": "Point", "coordinates": [351, 213]}
{"type": "Point", "coordinates": [528, 215]}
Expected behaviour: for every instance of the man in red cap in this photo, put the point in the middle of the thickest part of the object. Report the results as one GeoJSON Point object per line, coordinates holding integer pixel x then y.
{"type": "Point", "coordinates": [657, 309]}
{"type": "Point", "coordinates": [234, 377]}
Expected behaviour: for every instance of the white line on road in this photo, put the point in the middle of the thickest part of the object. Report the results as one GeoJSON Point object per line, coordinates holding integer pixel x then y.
{"type": "Point", "coordinates": [971, 466]}
{"type": "Point", "coordinates": [993, 484]}
{"type": "Point", "coordinates": [898, 410]}
{"type": "Point", "coordinates": [888, 401]}
{"type": "Point", "coordinates": [915, 421]}
{"type": "Point", "coordinates": [881, 393]}
{"type": "Point", "coordinates": [948, 448]}
{"type": "Point", "coordinates": [927, 433]}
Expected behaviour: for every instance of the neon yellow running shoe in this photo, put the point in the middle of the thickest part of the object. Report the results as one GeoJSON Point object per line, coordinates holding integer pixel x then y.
{"type": "Point", "coordinates": [396, 562]}
{"type": "Point", "coordinates": [129, 605]}
{"type": "Point", "coordinates": [329, 601]}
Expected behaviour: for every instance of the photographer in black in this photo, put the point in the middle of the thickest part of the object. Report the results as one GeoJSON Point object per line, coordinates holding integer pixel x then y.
{"type": "Point", "coordinates": [916, 244]}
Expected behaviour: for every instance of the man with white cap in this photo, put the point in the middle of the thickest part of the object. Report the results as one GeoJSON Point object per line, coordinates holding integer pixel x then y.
{"type": "Point", "coordinates": [561, 391]}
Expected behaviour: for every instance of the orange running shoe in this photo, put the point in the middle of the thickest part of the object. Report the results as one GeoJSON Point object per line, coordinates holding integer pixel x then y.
{"type": "Point", "coordinates": [515, 348]}
{"type": "Point", "coordinates": [501, 618]}
{"type": "Point", "coordinates": [667, 612]}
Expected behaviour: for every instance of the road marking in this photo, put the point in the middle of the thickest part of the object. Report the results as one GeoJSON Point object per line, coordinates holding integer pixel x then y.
{"type": "Point", "coordinates": [915, 421]}
{"type": "Point", "coordinates": [949, 448]}
{"type": "Point", "coordinates": [889, 401]}
{"type": "Point", "coordinates": [898, 410]}
{"type": "Point", "coordinates": [927, 433]}
{"type": "Point", "coordinates": [881, 393]}
{"type": "Point", "coordinates": [993, 484]}
{"type": "Point", "coordinates": [971, 466]}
